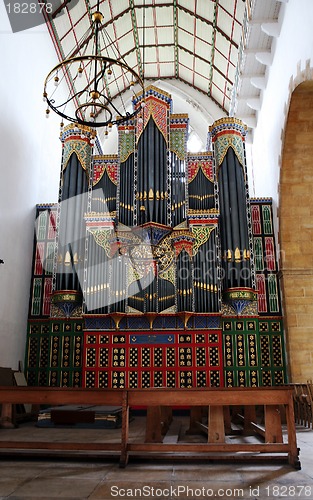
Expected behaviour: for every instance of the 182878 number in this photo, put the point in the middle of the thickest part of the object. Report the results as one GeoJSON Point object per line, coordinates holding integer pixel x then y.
{"type": "Point", "coordinates": [28, 8]}
{"type": "Point", "coordinates": [289, 491]}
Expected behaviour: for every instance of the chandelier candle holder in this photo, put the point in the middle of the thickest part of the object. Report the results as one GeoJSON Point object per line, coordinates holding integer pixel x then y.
{"type": "Point", "coordinates": [87, 87]}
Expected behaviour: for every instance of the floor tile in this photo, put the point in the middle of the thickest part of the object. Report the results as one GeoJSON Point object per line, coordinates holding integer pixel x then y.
{"type": "Point", "coordinates": [55, 487]}
{"type": "Point", "coordinates": [130, 489]}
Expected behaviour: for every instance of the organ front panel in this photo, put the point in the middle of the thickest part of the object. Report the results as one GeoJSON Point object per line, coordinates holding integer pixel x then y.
{"type": "Point", "coordinates": [155, 269]}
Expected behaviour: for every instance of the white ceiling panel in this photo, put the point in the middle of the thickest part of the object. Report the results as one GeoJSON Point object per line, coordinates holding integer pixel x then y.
{"type": "Point", "coordinates": [166, 36]}
{"type": "Point", "coordinates": [170, 2]}
{"type": "Point", "coordinates": [220, 62]}
{"type": "Point", "coordinates": [225, 24]}
{"type": "Point", "coordinates": [147, 36]}
{"type": "Point", "coordinates": [186, 59]}
{"type": "Point", "coordinates": [201, 83]}
{"type": "Point", "coordinates": [164, 16]}
{"type": "Point", "coordinates": [186, 40]}
{"type": "Point", "coordinates": [117, 7]}
{"type": "Point", "coordinates": [219, 81]}
{"type": "Point", "coordinates": [131, 59]}
{"type": "Point", "coordinates": [150, 70]}
{"type": "Point", "coordinates": [77, 13]}
{"type": "Point", "coordinates": [216, 94]}
{"type": "Point", "coordinates": [205, 9]}
{"type": "Point", "coordinates": [186, 74]}
{"type": "Point", "coordinates": [65, 26]}
{"type": "Point", "coordinates": [167, 70]}
{"type": "Point", "coordinates": [151, 54]}
{"type": "Point", "coordinates": [203, 49]}
{"type": "Point", "coordinates": [166, 54]}
{"type": "Point", "coordinates": [123, 25]}
{"type": "Point", "coordinates": [202, 68]}
{"type": "Point", "coordinates": [185, 21]}
{"type": "Point", "coordinates": [204, 31]}
{"type": "Point", "coordinates": [187, 4]}
{"type": "Point", "coordinates": [126, 41]}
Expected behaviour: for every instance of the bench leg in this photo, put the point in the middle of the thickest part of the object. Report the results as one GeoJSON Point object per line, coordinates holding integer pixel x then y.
{"type": "Point", "coordinates": [227, 419]}
{"type": "Point", "coordinates": [125, 431]}
{"type": "Point", "coordinates": [216, 428]}
{"type": "Point", "coordinates": [273, 429]}
{"type": "Point", "coordinates": [250, 418]}
{"type": "Point", "coordinates": [195, 416]}
{"type": "Point", "coordinates": [154, 425]}
{"type": "Point", "coordinates": [166, 418]}
{"type": "Point", "coordinates": [293, 456]}
{"type": "Point", "coordinates": [6, 418]}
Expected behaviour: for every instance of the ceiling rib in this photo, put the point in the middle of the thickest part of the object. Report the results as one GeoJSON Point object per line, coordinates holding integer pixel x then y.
{"type": "Point", "coordinates": [156, 40]}
{"type": "Point", "coordinates": [175, 20]}
{"type": "Point", "coordinates": [212, 51]}
{"type": "Point", "coordinates": [194, 45]}
{"type": "Point", "coordinates": [136, 38]}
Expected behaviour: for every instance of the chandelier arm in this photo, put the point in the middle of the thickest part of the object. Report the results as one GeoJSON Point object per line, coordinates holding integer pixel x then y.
{"type": "Point", "coordinates": [90, 104]}
{"type": "Point", "coordinates": [117, 121]}
{"type": "Point", "coordinates": [101, 74]}
{"type": "Point", "coordinates": [61, 113]}
{"type": "Point", "coordinates": [51, 102]}
{"type": "Point", "coordinates": [71, 60]}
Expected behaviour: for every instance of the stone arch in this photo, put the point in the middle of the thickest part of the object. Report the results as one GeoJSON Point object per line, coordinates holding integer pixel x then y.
{"type": "Point", "coordinates": [296, 231]}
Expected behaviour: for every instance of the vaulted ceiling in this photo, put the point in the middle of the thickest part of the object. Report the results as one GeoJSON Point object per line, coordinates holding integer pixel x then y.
{"type": "Point", "coordinates": [215, 52]}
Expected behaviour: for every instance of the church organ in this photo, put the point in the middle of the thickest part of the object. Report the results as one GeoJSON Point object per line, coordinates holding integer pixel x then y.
{"type": "Point", "coordinates": [155, 269]}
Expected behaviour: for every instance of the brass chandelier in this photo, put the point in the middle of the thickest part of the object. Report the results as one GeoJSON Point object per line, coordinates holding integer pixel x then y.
{"type": "Point", "coordinates": [87, 87]}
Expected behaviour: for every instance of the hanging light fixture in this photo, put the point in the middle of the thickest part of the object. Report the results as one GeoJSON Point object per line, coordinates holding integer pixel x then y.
{"type": "Point", "coordinates": [87, 86]}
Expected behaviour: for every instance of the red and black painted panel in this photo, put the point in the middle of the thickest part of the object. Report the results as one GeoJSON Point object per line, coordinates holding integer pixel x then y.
{"type": "Point", "coordinates": [42, 264]}
{"type": "Point", "coordinates": [153, 359]}
{"type": "Point", "coordinates": [265, 258]}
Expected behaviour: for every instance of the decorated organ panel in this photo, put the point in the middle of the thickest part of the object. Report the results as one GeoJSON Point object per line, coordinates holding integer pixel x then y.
{"type": "Point", "coordinates": [163, 271]}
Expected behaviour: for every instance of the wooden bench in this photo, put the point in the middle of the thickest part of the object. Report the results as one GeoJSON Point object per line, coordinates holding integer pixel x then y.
{"type": "Point", "coordinates": [303, 403]}
{"type": "Point", "coordinates": [215, 399]}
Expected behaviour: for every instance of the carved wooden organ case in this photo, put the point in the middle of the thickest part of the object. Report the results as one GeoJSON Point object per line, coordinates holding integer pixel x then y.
{"type": "Point", "coordinates": [155, 269]}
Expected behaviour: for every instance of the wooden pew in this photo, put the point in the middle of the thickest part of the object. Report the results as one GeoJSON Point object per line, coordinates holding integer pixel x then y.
{"type": "Point", "coordinates": [214, 399]}
{"type": "Point", "coordinates": [303, 403]}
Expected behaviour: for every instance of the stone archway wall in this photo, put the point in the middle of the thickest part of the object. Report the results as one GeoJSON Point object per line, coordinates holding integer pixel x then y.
{"type": "Point", "coordinates": [296, 232]}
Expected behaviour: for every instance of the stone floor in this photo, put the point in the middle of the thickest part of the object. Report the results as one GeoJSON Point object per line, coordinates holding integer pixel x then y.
{"type": "Point", "coordinates": [46, 478]}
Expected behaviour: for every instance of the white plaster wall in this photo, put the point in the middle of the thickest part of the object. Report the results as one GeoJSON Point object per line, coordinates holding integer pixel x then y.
{"type": "Point", "coordinates": [293, 54]}
{"type": "Point", "coordinates": [30, 158]}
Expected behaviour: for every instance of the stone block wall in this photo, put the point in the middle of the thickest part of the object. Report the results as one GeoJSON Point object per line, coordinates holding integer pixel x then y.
{"type": "Point", "coordinates": [296, 232]}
